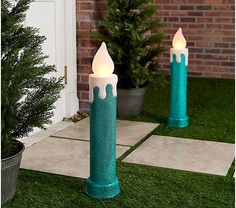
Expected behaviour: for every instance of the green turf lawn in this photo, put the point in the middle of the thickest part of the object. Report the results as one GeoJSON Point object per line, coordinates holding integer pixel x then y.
{"type": "Point", "coordinates": [211, 112]}
{"type": "Point", "coordinates": [210, 109]}
{"type": "Point", "coordinates": [141, 187]}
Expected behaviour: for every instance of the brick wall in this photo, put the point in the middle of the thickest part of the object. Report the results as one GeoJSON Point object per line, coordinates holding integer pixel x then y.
{"type": "Point", "coordinates": [208, 26]}
{"type": "Point", "coordinates": [88, 14]}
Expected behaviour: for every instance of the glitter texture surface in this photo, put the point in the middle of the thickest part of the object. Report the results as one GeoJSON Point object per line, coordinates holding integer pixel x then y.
{"type": "Point", "coordinates": [178, 94]}
{"type": "Point", "coordinates": [103, 182]}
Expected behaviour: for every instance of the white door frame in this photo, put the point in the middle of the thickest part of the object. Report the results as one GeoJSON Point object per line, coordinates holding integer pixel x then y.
{"type": "Point", "coordinates": [68, 19]}
{"type": "Point", "coordinates": [72, 102]}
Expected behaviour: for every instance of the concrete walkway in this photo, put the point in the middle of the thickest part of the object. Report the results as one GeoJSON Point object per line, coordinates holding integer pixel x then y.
{"type": "Point", "coordinates": [64, 149]}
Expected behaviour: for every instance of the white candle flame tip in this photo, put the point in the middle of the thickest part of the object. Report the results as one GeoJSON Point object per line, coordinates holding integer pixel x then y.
{"type": "Point", "coordinates": [179, 41]}
{"type": "Point", "coordinates": [102, 65]}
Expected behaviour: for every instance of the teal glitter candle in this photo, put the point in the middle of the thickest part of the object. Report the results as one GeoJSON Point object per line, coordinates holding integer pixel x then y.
{"type": "Point", "coordinates": [178, 117]}
{"type": "Point", "coordinates": [103, 182]}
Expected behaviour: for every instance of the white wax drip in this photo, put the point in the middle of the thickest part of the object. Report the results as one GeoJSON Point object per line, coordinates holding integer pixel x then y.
{"type": "Point", "coordinates": [101, 83]}
{"type": "Point", "coordinates": [178, 55]}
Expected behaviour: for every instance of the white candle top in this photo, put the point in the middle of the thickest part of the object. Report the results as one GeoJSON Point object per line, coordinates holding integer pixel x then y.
{"type": "Point", "coordinates": [178, 53]}
{"type": "Point", "coordinates": [101, 83]}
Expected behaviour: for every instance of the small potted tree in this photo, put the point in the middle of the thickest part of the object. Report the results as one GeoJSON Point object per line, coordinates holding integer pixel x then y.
{"type": "Point", "coordinates": [135, 43]}
{"type": "Point", "coordinates": [27, 95]}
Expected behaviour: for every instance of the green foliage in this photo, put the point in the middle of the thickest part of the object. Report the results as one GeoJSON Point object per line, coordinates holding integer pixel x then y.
{"type": "Point", "coordinates": [27, 95]}
{"type": "Point", "coordinates": [134, 40]}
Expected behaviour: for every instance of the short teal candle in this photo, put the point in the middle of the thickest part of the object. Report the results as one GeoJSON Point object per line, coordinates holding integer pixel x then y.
{"type": "Point", "coordinates": [178, 117]}
{"type": "Point", "coordinates": [103, 182]}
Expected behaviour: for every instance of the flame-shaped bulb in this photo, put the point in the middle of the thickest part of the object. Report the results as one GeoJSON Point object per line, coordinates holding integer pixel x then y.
{"type": "Point", "coordinates": [102, 65]}
{"type": "Point", "coordinates": [179, 41]}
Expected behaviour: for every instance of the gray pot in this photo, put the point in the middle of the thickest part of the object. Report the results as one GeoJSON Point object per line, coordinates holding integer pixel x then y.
{"type": "Point", "coordinates": [9, 172]}
{"type": "Point", "coordinates": [130, 101]}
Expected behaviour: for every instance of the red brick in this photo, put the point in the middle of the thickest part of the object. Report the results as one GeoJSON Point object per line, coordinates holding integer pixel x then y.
{"type": "Point", "coordinates": [228, 1]}
{"type": "Point", "coordinates": [229, 13]}
{"type": "Point", "coordinates": [212, 62]}
{"type": "Point", "coordinates": [187, 19]}
{"type": "Point", "coordinates": [195, 1]}
{"type": "Point", "coordinates": [87, 5]}
{"type": "Point", "coordinates": [196, 26]}
{"type": "Point", "coordinates": [84, 43]}
{"type": "Point", "coordinates": [195, 14]}
{"type": "Point", "coordinates": [171, 19]}
{"type": "Point", "coordinates": [212, 13]}
{"type": "Point", "coordinates": [227, 63]}
{"type": "Point", "coordinates": [84, 69]}
{"type": "Point", "coordinates": [82, 87]}
{"type": "Point", "coordinates": [213, 26]}
{"type": "Point", "coordinates": [213, 2]}
{"type": "Point", "coordinates": [87, 25]}
{"type": "Point", "coordinates": [203, 20]}
{"type": "Point", "coordinates": [221, 45]}
{"type": "Point", "coordinates": [204, 7]}
{"type": "Point", "coordinates": [212, 50]}
{"type": "Point", "coordinates": [223, 20]}
{"type": "Point", "coordinates": [162, 1]}
{"type": "Point", "coordinates": [222, 7]}
{"type": "Point", "coordinates": [170, 7]}
{"type": "Point", "coordinates": [86, 60]}
{"type": "Point", "coordinates": [204, 56]}
{"type": "Point", "coordinates": [187, 7]}
{"type": "Point", "coordinates": [84, 95]}
{"type": "Point", "coordinates": [84, 78]}
{"type": "Point", "coordinates": [228, 51]}
{"type": "Point", "coordinates": [228, 27]}
{"type": "Point", "coordinates": [178, 13]}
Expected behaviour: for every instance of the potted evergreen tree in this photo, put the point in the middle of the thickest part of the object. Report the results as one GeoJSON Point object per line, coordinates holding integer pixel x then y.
{"type": "Point", "coordinates": [135, 43]}
{"type": "Point", "coordinates": [27, 95]}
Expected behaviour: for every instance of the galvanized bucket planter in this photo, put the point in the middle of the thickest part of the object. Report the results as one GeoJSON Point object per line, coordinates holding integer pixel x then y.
{"type": "Point", "coordinates": [9, 172]}
{"type": "Point", "coordinates": [130, 101]}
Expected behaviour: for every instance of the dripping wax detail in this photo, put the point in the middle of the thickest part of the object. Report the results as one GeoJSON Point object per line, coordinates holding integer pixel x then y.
{"type": "Point", "coordinates": [101, 83]}
{"type": "Point", "coordinates": [178, 55]}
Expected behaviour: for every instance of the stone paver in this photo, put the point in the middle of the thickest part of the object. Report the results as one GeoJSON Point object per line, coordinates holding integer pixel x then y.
{"type": "Point", "coordinates": [61, 156]}
{"type": "Point", "coordinates": [184, 154]}
{"type": "Point", "coordinates": [128, 132]}
{"type": "Point", "coordinates": [43, 134]}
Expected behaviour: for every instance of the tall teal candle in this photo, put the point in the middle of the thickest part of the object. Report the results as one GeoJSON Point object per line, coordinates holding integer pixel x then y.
{"type": "Point", "coordinates": [178, 117]}
{"type": "Point", "coordinates": [103, 182]}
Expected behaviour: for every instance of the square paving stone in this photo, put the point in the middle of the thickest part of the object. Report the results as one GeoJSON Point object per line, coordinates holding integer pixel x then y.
{"type": "Point", "coordinates": [61, 156]}
{"type": "Point", "coordinates": [184, 154]}
{"type": "Point", "coordinates": [43, 134]}
{"type": "Point", "coordinates": [128, 132]}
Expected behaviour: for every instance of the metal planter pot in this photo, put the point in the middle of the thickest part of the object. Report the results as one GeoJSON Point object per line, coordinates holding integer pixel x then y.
{"type": "Point", "coordinates": [130, 101]}
{"type": "Point", "coordinates": [9, 172]}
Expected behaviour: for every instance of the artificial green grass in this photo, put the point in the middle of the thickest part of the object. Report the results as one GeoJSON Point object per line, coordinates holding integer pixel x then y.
{"type": "Point", "coordinates": [141, 186]}
{"type": "Point", "coordinates": [210, 109]}
{"type": "Point", "coordinates": [211, 112]}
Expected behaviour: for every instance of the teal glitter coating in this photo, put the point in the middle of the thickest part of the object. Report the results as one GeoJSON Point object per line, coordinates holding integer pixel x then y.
{"type": "Point", "coordinates": [178, 117]}
{"type": "Point", "coordinates": [103, 182]}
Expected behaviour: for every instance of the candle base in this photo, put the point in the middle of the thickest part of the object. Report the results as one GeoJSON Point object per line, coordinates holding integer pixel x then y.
{"type": "Point", "coordinates": [102, 191]}
{"type": "Point", "coordinates": [178, 122]}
